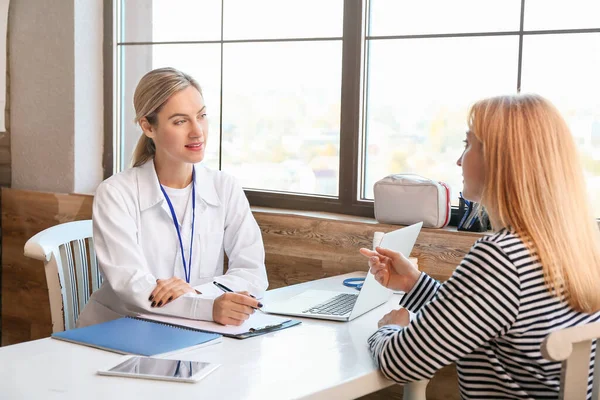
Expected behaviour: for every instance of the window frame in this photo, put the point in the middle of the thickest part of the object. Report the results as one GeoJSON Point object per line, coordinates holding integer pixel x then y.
{"type": "Point", "coordinates": [355, 42]}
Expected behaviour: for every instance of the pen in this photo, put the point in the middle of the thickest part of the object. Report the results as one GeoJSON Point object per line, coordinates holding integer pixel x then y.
{"type": "Point", "coordinates": [226, 289]}
{"type": "Point", "coordinates": [222, 287]}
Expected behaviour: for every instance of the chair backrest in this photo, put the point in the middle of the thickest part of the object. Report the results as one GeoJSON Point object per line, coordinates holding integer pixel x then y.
{"type": "Point", "coordinates": [572, 346]}
{"type": "Point", "coordinates": [67, 251]}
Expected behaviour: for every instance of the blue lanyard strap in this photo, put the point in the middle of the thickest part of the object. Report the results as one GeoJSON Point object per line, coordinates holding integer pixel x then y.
{"type": "Point", "coordinates": [187, 268]}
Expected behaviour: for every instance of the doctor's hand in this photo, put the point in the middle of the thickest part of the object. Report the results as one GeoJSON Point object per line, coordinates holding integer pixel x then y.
{"type": "Point", "coordinates": [392, 269]}
{"type": "Point", "coordinates": [395, 317]}
{"type": "Point", "coordinates": [234, 308]}
{"type": "Point", "coordinates": [167, 290]}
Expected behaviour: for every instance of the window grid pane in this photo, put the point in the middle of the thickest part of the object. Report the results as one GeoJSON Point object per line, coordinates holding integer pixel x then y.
{"type": "Point", "coordinates": [418, 102]}
{"type": "Point", "coordinates": [564, 69]}
{"type": "Point", "coordinates": [276, 19]}
{"type": "Point", "coordinates": [561, 14]}
{"type": "Point", "coordinates": [281, 115]}
{"type": "Point", "coordinates": [393, 17]}
{"type": "Point", "coordinates": [150, 21]}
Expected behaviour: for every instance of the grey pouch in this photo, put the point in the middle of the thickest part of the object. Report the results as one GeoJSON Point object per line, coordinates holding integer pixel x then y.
{"type": "Point", "coordinates": [406, 199]}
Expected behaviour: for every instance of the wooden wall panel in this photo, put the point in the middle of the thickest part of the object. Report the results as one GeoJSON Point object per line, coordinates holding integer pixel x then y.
{"type": "Point", "coordinates": [25, 307]}
{"type": "Point", "coordinates": [299, 247]}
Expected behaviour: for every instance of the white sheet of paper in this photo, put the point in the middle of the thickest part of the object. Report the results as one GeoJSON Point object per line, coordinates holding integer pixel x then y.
{"type": "Point", "coordinates": [402, 240]}
{"type": "Point", "coordinates": [258, 320]}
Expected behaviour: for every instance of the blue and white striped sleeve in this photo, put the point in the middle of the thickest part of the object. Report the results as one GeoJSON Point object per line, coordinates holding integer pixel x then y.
{"type": "Point", "coordinates": [478, 303]}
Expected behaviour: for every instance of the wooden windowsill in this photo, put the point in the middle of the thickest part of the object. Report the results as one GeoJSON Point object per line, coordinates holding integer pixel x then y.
{"type": "Point", "coordinates": [351, 218]}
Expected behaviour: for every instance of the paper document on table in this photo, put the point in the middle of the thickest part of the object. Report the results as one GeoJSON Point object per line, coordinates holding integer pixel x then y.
{"type": "Point", "coordinates": [257, 324]}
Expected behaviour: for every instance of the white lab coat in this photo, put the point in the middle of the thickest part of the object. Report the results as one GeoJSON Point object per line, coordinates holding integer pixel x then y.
{"type": "Point", "coordinates": [136, 244]}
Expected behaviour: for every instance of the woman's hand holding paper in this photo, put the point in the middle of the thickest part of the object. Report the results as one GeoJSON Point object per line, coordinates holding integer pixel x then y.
{"type": "Point", "coordinates": [392, 269]}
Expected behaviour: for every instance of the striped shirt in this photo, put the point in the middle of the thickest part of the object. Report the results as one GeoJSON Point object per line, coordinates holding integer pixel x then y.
{"type": "Point", "coordinates": [490, 318]}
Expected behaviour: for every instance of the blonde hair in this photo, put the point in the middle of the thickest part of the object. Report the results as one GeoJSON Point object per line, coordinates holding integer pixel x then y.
{"type": "Point", "coordinates": [534, 184]}
{"type": "Point", "coordinates": [151, 93]}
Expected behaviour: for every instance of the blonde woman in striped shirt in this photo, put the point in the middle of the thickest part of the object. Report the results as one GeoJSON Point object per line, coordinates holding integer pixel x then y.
{"type": "Point", "coordinates": [540, 270]}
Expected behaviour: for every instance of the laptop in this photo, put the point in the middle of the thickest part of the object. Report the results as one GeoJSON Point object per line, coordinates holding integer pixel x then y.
{"type": "Point", "coordinates": [343, 306]}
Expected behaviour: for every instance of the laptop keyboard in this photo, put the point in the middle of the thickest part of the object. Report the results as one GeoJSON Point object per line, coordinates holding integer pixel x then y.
{"type": "Point", "coordinates": [341, 304]}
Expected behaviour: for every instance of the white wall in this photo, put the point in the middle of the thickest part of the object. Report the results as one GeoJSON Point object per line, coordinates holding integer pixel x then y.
{"type": "Point", "coordinates": [56, 106]}
{"type": "Point", "coordinates": [89, 99]}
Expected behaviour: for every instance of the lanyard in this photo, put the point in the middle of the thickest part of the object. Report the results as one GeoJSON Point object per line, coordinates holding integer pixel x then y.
{"type": "Point", "coordinates": [178, 373]}
{"type": "Point", "coordinates": [187, 269]}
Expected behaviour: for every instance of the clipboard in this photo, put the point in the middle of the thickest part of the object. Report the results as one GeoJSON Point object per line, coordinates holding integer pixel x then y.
{"type": "Point", "coordinates": [258, 324]}
{"type": "Point", "coordinates": [266, 329]}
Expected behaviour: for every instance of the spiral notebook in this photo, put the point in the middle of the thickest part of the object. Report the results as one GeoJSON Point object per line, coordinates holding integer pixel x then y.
{"type": "Point", "coordinates": [258, 324]}
{"type": "Point", "coordinates": [136, 336]}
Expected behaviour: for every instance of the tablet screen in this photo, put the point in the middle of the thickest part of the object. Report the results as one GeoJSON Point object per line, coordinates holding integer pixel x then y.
{"type": "Point", "coordinates": [160, 368]}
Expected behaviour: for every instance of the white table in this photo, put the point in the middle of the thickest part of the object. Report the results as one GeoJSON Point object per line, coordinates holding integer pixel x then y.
{"type": "Point", "coordinates": [315, 360]}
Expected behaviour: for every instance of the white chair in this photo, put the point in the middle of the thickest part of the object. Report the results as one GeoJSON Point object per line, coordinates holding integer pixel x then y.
{"type": "Point", "coordinates": [572, 346]}
{"type": "Point", "coordinates": [67, 251]}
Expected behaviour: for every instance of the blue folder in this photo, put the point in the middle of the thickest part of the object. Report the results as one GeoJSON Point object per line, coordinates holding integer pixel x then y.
{"type": "Point", "coordinates": [135, 336]}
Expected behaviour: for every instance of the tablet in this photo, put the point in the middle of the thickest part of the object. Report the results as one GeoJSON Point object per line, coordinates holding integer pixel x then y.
{"type": "Point", "coordinates": [161, 369]}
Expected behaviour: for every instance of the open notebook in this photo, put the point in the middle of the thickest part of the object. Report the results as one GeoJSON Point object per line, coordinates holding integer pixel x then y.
{"type": "Point", "coordinates": [258, 324]}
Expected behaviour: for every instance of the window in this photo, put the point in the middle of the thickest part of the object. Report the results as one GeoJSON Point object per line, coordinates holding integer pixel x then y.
{"type": "Point", "coordinates": [272, 86]}
{"type": "Point", "coordinates": [311, 102]}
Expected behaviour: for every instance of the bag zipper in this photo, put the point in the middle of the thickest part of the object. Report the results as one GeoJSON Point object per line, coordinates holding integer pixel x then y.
{"type": "Point", "coordinates": [448, 205]}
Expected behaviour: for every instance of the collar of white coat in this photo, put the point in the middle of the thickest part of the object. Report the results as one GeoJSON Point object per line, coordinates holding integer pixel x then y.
{"type": "Point", "coordinates": [150, 193]}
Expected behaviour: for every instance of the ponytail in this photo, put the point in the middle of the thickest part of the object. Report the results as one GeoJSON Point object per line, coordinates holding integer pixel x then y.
{"type": "Point", "coordinates": [144, 151]}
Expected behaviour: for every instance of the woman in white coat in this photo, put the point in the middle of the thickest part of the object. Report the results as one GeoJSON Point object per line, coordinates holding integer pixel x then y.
{"type": "Point", "coordinates": [160, 228]}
